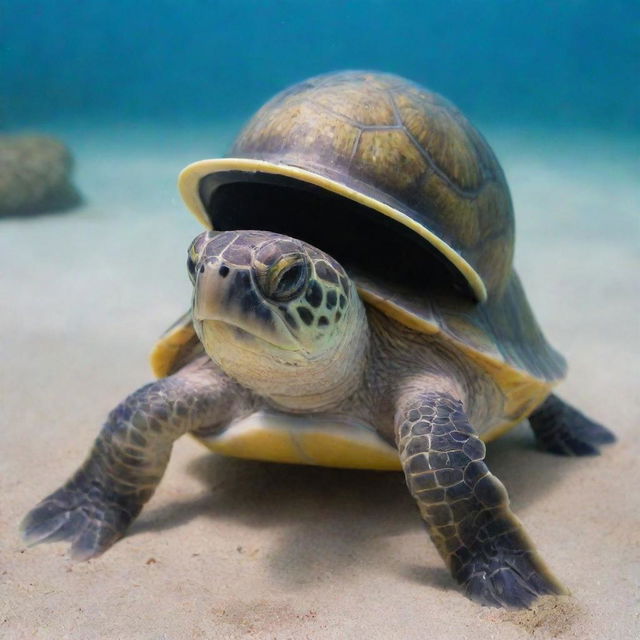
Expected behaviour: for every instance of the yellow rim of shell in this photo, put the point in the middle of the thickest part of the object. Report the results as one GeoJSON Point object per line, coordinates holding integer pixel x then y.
{"type": "Point", "coordinates": [189, 185]}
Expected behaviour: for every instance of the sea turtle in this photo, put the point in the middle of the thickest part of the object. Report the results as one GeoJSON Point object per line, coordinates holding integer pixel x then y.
{"type": "Point", "coordinates": [374, 321]}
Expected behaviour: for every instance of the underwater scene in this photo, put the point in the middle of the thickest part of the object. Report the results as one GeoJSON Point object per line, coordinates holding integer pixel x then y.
{"type": "Point", "coordinates": [373, 256]}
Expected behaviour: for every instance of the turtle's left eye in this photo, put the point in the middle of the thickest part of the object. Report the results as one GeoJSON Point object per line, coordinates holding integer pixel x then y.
{"type": "Point", "coordinates": [191, 268]}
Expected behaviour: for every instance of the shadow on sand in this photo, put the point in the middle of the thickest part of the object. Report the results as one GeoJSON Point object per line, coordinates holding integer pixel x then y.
{"type": "Point", "coordinates": [333, 519]}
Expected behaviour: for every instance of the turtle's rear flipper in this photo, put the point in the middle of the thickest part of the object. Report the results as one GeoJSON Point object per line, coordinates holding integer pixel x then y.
{"type": "Point", "coordinates": [561, 429]}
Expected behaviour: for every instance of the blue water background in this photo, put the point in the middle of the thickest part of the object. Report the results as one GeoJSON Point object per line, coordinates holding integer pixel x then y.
{"type": "Point", "coordinates": [574, 63]}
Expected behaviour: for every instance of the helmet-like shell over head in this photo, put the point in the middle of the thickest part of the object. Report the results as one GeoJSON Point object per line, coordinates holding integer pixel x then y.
{"type": "Point", "coordinates": [385, 143]}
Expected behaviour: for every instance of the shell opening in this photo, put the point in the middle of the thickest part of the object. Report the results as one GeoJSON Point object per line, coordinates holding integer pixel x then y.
{"type": "Point", "coordinates": [374, 245]}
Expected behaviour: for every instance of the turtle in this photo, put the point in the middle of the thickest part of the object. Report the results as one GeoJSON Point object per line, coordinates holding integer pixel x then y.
{"type": "Point", "coordinates": [354, 305]}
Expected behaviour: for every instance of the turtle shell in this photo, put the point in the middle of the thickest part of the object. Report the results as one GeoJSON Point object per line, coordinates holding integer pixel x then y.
{"type": "Point", "coordinates": [395, 183]}
{"type": "Point", "coordinates": [383, 142]}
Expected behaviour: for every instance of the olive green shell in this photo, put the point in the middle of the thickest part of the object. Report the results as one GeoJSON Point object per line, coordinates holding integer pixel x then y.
{"type": "Point", "coordinates": [396, 147]}
{"type": "Point", "coordinates": [406, 153]}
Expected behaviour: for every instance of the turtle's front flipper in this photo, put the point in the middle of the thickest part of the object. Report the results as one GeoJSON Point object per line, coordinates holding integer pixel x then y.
{"type": "Point", "coordinates": [94, 508]}
{"type": "Point", "coordinates": [465, 507]}
{"type": "Point", "coordinates": [561, 429]}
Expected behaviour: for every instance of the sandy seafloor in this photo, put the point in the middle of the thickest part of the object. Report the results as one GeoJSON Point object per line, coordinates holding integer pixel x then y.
{"type": "Point", "coordinates": [235, 549]}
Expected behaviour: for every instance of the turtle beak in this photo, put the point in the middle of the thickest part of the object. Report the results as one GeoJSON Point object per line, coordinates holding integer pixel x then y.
{"type": "Point", "coordinates": [226, 294]}
{"type": "Point", "coordinates": [212, 291]}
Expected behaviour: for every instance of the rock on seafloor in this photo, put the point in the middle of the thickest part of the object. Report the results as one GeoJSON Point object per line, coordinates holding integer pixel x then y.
{"type": "Point", "coordinates": [35, 175]}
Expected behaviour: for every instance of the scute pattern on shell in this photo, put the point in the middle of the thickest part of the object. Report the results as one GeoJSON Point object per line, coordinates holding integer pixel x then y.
{"type": "Point", "coordinates": [35, 174]}
{"type": "Point", "coordinates": [401, 144]}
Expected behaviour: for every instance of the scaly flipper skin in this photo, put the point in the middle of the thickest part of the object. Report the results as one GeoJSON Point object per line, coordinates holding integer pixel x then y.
{"type": "Point", "coordinates": [128, 459]}
{"type": "Point", "coordinates": [465, 507]}
{"type": "Point", "coordinates": [561, 429]}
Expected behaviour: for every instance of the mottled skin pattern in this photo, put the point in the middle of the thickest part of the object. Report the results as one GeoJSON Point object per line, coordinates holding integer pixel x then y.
{"type": "Point", "coordinates": [236, 252]}
{"type": "Point", "coordinates": [261, 311]}
{"type": "Point", "coordinates": [129, 457]}
{"type": "Point", "coordinates": [416, 390]}
{"type": "Point", "coordinates": [465, 507]}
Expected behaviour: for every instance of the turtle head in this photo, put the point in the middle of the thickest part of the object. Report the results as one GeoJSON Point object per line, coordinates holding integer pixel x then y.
{"type": "Point", "coordinates": [275, 313]}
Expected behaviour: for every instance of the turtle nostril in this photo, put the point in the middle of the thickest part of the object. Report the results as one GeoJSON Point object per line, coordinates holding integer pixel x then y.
{"type": "Point", "coordinates": [224, 271]}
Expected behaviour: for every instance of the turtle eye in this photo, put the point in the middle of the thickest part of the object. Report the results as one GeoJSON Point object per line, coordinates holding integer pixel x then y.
{"type": "Point", "coordinates": [194, 253]}
{"type": "Point", "coordinates": [286, 279]}
{"type": "Point", "coordinates": [191, 268]}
